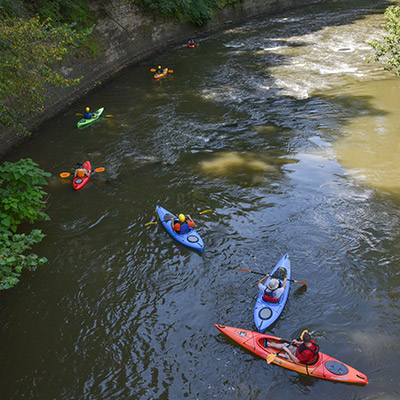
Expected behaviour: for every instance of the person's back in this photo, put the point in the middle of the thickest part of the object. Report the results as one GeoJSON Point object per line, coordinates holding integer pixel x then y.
{"type": "Point", "coordinates": [87, 114]}
{"type": "Point", "coordinates": [307, 352]}
{"type": "Point", "coordinates": [183, 225]}
{"type": "Point", "coordinates": [80, 171]}
{"type": "Point", "coordinates": [272, 291]}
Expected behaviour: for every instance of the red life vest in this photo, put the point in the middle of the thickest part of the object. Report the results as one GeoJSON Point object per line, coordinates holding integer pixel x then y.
{"type": "Point", "coordinates": [269, 299]}
{"type": "Point", "coordinates": [312, 353]}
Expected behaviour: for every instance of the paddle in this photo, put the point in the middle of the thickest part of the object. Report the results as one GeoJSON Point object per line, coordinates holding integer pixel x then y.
{"type": "Point", "coordinates": [270, 358]}
{"type": "Point", "coordinates": [67, 174]}
{"type": "Point", "coordinates": [156, 222]}
{"type": "Point", "coordinates": [171, 71]}
{"type": "Point", "coordinates": [260, 273]}
{"type": "Point", "coordinates": [107, 115]}
{"type": "Point", "coordinates": [186, 45]}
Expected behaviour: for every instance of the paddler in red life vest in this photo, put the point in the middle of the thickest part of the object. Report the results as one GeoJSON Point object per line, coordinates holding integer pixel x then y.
{"type": "Point", "coordinates": [80, 171]}
{"type": "Point", "coordinates": [183, 225]}
{"type": "Point", "coordinates": [272, 292]}
{"type": "Point", "coordinates": [305, 353]}
{"type": "Point", "coordinates": [87, 114]}
{"type": "Point", "coordinates": [191, 43]}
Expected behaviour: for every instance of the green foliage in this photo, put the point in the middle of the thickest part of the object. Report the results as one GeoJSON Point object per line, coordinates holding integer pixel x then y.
{"type": "Point", "coordinates": [10, 8]}
{"type": "Point", "coordinates": [62, 11]}
{"type": "Point", "coordinates": [21, 197]}
{"type": "Point", "coordinates": [388, 47]}
{"type": "Point", "coordinates": [12, 258]}
{"type": "Point", "coordinates": [29, 50]}
{"type": "Point", "coordinates": [198, 12]}
{"type": "Point", "coordinates": [21, 193]}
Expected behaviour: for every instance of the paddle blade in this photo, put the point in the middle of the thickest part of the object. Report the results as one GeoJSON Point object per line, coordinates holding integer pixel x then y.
{"type": "Point", "coordinates": [171, 71]}
{"type": "Point", "coordinates": [243, 269]}
{"type": "Point", "coordinates": [271, 357]}
{"type": "Point", "coordinates": [304, 283]}
{"type": "Point", "coordinates": [184, 45]}
{"type": "Point", "coordinates": [153, 70]}
{"type": "Point", "coordinates": [150, 223]}
{"type": "Point", "coordinates": [79, 114]}
{"type": "Point", "coordinates": [109, 115]}
{"type": "Point", "coordinates": [202, 212]}
{"type": "Point", "coordinates": [65, 174]}
{"type": "Point", "coordinates": [100, 169]}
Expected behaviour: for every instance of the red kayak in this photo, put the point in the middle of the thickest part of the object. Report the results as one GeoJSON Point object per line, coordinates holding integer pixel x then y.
{"type": "Point", "coordinates": [325, 367]}
{"type": "Point", "coordinates": [79, 183]}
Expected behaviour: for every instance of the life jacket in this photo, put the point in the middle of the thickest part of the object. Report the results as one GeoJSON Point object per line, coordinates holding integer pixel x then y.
{"type": "Point", "coordinates": [81, 173]}
{"type": "Point", "coordinates": [303, 347]}
{"type": "Point", "coordinates": [268, 298]}
{"type": "Point", "coordinates": [268, 295]}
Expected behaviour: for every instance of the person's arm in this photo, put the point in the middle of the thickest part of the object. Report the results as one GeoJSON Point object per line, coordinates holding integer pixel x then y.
{"type": "Point", "coordinates": [263, 279]}
{"type": "Point", "coordinates": [173, 225]}
{"type": "Point", "coordinates": [291, 355]}
{"type": "Point", "coordinates": [296, 342]}
{"type": "Point", "coordinates": [284, 283]}
{"type": "Point", "coordinates": [190, 221]}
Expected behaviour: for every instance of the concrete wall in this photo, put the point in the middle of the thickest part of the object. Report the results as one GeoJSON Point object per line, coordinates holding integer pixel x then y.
{"type": "Point", "coordinates": [127, 35]}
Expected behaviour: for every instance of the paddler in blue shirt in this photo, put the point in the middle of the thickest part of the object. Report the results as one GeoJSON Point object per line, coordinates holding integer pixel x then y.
{"type": "Point", "coordinates": [87, 114]}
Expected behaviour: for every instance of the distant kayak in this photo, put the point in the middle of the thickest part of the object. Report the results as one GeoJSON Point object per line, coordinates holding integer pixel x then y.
{"type": "Point", "coordinates": [85, 122]}
{"type": "Point", "coordinates": [326, 367]}
{"type": "Point", "coordinates": [79, 183]}
{"type": "Point", "coordinates": [266, 313]}
{"type": "Point", "coordinates": [165, 72]}
{"type": "Point", "coordinates": [190, 239]}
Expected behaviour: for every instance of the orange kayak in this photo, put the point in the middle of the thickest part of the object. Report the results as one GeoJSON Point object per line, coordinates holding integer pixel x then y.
{"type": "Point", "coordinates": [326, 366]}
{"type": "Point", "coordinates": [165, 71]}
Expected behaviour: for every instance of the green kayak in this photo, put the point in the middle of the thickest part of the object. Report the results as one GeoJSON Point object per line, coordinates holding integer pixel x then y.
{"type": "Point", "coordinates": [84, 122]}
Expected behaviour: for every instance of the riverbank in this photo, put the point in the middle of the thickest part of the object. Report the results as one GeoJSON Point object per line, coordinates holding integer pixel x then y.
{"type": "Point", "coordinates": [125, 35]}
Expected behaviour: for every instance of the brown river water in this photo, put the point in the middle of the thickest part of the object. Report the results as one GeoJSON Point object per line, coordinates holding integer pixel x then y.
{"type": "Point", "coordinates": [282, 128]}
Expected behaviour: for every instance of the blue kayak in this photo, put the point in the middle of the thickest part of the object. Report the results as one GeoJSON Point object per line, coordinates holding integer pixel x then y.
{"type": "Point", "coordinates": [266, 313]}
{"type": "Point", "coordinates": [190, 239]}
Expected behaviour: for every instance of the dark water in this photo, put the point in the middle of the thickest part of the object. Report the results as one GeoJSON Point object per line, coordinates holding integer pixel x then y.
{"type": "Point", "coordinates": [246, 125]}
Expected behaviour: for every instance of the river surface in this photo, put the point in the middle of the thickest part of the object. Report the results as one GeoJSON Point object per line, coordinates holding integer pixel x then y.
{"type": "Point", "coordinates": [282, 128]}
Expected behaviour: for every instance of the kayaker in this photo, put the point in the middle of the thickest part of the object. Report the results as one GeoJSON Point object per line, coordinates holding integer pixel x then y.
{"type": "Point", "coordinates": [191, 43]}
{"type": "Point", "coordinates": [306, 351]}
{"type": "Point", "coordinates": [159, 70]}
{"type": "Point", "coordinates": [87, 114]}
{"type": "Point", "coordinates": [272, 292]}
{"type": "Point", "coordinates": [80, 171]}
{"type": "Point", "coordinates": [182, 225]}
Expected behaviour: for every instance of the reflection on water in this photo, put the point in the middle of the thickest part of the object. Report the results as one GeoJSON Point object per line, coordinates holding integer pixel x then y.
{"type": "Point", "coordinates": [370, 148]}
{"type": "Point", "coordinates": [233, 162]}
